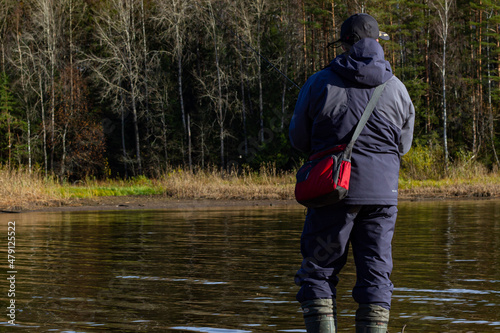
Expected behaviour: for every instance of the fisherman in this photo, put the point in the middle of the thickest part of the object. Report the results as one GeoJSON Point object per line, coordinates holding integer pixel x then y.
{"type": "Point", "coordinates": [327, 111]}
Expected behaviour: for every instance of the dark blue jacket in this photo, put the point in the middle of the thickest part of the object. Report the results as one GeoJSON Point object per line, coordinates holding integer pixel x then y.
{"type": "Point", "coordinates": [330, 105]}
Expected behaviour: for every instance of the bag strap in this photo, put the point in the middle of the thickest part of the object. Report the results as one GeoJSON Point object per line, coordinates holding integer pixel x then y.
{"type": "Point", "coordinates": [364, 118]}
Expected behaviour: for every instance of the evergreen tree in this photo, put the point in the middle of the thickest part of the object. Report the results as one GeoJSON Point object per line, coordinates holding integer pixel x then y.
{"type": "Point", "coordinates": [11, 125]}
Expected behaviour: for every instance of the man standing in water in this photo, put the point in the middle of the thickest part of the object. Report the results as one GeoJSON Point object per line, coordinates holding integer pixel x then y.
{"type": "Point", "coordinates": [328, 108]}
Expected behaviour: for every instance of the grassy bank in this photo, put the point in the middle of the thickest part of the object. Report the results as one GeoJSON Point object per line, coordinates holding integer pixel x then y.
{"type": "Point", "coordinates": [20, 189]}
{"type": "Point", "coordinates": [483, 186]}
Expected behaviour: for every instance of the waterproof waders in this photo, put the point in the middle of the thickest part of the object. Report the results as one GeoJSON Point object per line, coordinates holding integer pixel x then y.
{"type": "Point", "coordinates": [320, 315]}
{"type": "Point", "coordinates": [371, 318]}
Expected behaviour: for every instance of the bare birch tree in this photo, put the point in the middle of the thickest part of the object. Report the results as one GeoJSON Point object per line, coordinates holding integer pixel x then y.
{"type": "Point", "coordinates": [146, 56]}
{"type": "Point", "coordinates": [244, 28]}
{"type": "Point", "coordinates": [48, 15]}
{"type": "Point", "coordinates": [173, 17]}
{"type": "Point", "coordinates": [121, 68]}
{"type": "Point", "coordinates": [217, 98]}
{"type": "Point", "coordinates": [28, 59]}
{"type": "Point", "coordinates": [72, 100]}
{"type": "Point", "coordinates": [443, 9]}
{"type": "Point", "coordinates": [259, 7]}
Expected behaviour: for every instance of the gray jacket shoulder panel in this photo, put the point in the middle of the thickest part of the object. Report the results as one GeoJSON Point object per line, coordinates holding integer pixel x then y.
{"type": "Point", "coordinates": [396, 106]}
{"type": "Point", "coordinates": [318, 101]}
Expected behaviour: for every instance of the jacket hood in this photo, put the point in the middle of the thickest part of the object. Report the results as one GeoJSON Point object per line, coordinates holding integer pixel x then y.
{"type": "Point", "coordinates": [363, 64]}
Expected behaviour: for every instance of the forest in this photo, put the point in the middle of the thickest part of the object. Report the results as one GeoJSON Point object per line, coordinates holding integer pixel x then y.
{"type": "Point", "coordinates": [122, 88]}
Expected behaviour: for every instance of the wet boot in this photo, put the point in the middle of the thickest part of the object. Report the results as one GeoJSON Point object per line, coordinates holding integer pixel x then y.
{"type": "Point", "coordinates": [371, 318]}
{"type": "Point", "coordinates": [320, 315]}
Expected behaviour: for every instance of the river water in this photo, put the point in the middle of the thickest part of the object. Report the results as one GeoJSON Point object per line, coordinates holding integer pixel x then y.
{"type": "Point", "coordinates": [231, 270]}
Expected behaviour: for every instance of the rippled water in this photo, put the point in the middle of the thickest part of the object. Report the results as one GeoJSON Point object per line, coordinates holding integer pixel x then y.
{"type": "Point", "coordinates": [231, 270]}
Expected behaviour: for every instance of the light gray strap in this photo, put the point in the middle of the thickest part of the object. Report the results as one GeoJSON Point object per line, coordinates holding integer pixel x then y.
{"type": "Point", "coordinates": [366, 114]}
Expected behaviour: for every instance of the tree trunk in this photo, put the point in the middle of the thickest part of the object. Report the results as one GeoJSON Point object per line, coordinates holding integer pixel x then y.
{"type": "Point", "coordinates": [473, 95]}
{"type": "Point", "coordinates": [136, 130]}
{"type": "Point", "coordinates": [259, 71]}
{"type": "Point", "coordinates": [427, 73]}
{"type": "Point", "coordinates": [333, 29]}
{"type": "Point", "coordinates": [220, 113]}
{"type": "Point", "coordinates": [480, 79]}
{"type": "Point", "coordinates": [498, 54]}
{"type": "Point", "coordinates": [145, 55]}
{"type": "Point", "coordinates": [133, 78]}
{"type": "Point", "coordinates": [71, 90]}
{"type": "Point", "coordinates": [24, 87]}
{"type": "Point", "coordinates": [443, 11]}
{"type": "Point", "coordinates": [178, 48]}
{"type": "Point", "coordinates": [124, 148]}
{"type": "Point", "coordinates": [189, 142]}
{"type": "Point", "coordinates": [445, 116]}
{"type": "Point", "coordinates": [164, 129]}
{"type": "Point", "coordinates": [63, 158]}
{"type": "Point", "coordinates": [243, 107]}
{"type": "Point", "coordinates": [283, 105]}
{"type": "Point", "coordinates": [490, 103]}
{"type": "Point", "coordinates": [313, 44]}
{"type": "Point", "coordinates": [44, 125]}
{"type": "Point", "coordinates": [304, 38]}
{"type": "Point", "coordinates": [219, 107]}
{"type": "Point", "coordinates": [181, 97]}
{"type": "Point", "coordinates": [50, 36]}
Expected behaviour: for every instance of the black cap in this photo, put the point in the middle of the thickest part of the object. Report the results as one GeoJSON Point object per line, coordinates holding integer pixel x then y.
{"type": "Point", "coordinates": [360, 26]}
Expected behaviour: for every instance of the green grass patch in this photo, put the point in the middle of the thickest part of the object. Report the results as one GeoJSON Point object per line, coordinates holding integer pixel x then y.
{"type": "Point", "coordinates": [108, 191]}
{"type": "Point", "coordinates": [107, 188]}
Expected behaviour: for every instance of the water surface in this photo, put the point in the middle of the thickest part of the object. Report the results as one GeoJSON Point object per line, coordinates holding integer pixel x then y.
{"type": "Point", "coordinates": [231, 270]}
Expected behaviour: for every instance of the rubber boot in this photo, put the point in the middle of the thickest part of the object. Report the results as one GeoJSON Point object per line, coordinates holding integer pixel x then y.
{"type": "Point", "coordinates": [320, 315]}
{"type": "Point", "coordinates": [371, 318]}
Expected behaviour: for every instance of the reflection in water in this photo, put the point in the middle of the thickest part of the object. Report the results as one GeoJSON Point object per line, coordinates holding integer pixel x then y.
{"type": "Point", "coordinates": [227, 271]}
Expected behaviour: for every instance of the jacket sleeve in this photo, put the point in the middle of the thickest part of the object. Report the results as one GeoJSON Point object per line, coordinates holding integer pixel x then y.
{"type": "Point", "coordinates": [300, 125]}
{"type": "Point", "coordinates": [407, 129]}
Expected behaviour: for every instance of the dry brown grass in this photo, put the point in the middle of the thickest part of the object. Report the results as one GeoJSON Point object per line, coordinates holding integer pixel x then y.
{"type": "Point", "coordinates": [246, 185]}
{"type": "Point", "coordinates": [20, 189]}
{"type": "Point", "coordinates": [481, 186]}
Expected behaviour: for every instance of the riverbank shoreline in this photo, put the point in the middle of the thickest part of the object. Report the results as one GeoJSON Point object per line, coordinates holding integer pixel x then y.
{"type": "Point", "coordinates": [22, 191]}
{"type": "Point", "coordinates": [161, 202]}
